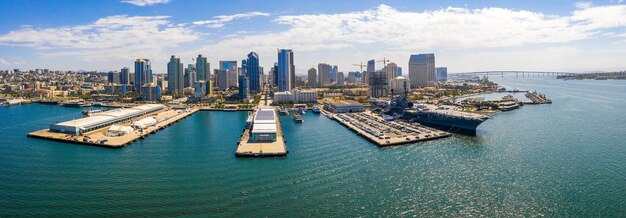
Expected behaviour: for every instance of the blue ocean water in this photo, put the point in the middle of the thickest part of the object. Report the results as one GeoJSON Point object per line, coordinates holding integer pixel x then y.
{"type": "Point", "coordinates": [563, 159]}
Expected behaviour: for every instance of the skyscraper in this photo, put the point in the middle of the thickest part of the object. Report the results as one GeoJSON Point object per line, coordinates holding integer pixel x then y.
{"type": "Point", "coordinates": [442, 73]}
{"type": "Point", "coordinates": [371, 66]}
{"type": "Point", "coordinates": [243, 87]}
{"type": "Point", "coordinates": [286, 70]}
{"type": "Point", "coordinates": [125, 76]}
{"type": "Point", "coordinates": [190, 75]}
{"type": "Point", "coordinates": [391, 71]}
{"type": "Point", "coordinates": [199, 89]}
{"type": "Point", "coordinates": [399, 71]}
{"type": "Point", "coordinates": [352, 77]}
{"type": "Point", "coordinates": [228, 65]}
{"type": "Point", "coordinates": [175, 78]}
{"type": "Point", "coordinates": [113, 77]}
{"type": "Point", "coordinates": [324, 74]}
{"type": "Point", "coordinates": [340, 79]}
{"type": "Point", "coordinates": [143, 74]}
{"type": "Point", "coordinates": [421, 70]}
{"type": "Point", "coordinates": [203, 69]}
{"type": "Point", "coordinates": [333, 74]}
{"type": "Point", "coordinates": [253, 72]}
{"type": "Point", "coordinates": [274, 76]}
{"type": "Point", "coordinates": [312, 77]}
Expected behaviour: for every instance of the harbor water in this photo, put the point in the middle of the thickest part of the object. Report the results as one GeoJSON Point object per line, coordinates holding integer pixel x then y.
{"type": "Point", "coordinates": [563, 159]}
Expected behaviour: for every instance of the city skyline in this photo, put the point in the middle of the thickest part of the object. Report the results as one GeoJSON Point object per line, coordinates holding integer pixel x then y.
{"type": "Point", "coordinates": [534, 35]}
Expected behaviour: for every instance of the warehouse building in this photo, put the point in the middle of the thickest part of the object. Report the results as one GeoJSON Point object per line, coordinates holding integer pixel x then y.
{"type": "Point", "coordinates": [104, 119]}
{"type": "Point", "coordinates": [343, 106]}
{"type": "Point", "coordinates": [264, 126]}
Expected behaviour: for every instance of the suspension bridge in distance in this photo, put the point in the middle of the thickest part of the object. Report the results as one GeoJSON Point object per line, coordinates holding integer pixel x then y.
{"type": "Point", "coordinates": [516, 73]}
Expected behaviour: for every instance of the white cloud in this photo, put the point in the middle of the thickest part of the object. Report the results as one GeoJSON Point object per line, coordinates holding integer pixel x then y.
{"type": "Point", "coordinates": [221, 20]}
{"type": "Point", "coordinates": [387, 32]}
{"type": "Point", "coordinates": [112, 37]}
{"type": "Point", "coordinates": [583, 5]}
{"type": "Point", "coordinates": [146, 2]}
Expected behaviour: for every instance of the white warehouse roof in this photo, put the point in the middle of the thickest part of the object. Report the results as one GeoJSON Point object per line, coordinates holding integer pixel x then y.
{"type": "Point", "coordinates": [107, 117]}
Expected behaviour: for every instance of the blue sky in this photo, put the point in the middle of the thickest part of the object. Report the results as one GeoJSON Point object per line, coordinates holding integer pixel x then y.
{"type": "Point", "coordinates": [464, 35]}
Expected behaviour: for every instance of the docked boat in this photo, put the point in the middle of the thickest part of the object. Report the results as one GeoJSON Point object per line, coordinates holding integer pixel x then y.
{"type": "Point", "coordinates": [298, 118]}
{"type": "Point", "coordinates": [315, 109]}
{"type": "Point", "coordinates": [90, 112]}
{"type": "Point", "coordinates": [508, 105]}
{"type": "Point", "coordinates": [99, 104]}
{"type": "Point", "coordinates": [283, 111]}
{"type": "Point", "coordinates": [75, 103]}
{"type": "Point", "coordinates": [49, 102]}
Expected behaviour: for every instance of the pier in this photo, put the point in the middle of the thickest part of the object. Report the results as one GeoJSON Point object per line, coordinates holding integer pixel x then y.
{"type": "Point", "coordinates": [99, 137]}
{"type": "Point", "coordinates": [385, 133]}
{"type": "Point", "coordinates": [262, 136]}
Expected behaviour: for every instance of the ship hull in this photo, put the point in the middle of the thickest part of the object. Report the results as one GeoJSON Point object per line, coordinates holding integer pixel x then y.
{"type": "Point", "coordinates": [446, 123]}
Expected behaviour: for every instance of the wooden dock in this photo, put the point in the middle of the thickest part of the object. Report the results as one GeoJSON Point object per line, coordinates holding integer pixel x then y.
{"type": "Point", "coordinates": [262, 149]}
{"type": "Point", "coordinates": [394, 136]}
{"type": "Point", "coordinates": [164, 118]}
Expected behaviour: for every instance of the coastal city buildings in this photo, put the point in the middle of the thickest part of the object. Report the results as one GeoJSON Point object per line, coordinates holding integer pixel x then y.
{"type": "Point", "coordinates": [323, 70]}
{"type": "Point", "coordinates": [175, 76]}
{"type": "Point", "coordinates": [286, 76]}
{"type": "Point", "coordinates": [203, 68]}
{"type": "Point", "coordinates": [253, 71]}
{"type": "Point", "coordinates": [296, 96]}
{"type": "Point", "coordinates": [143, 74]}
{"type": "Point", "coordinates": [422, 70]}
{"type": "Point", "coordinates": [442, 73]}
{"type": "Point", "coordinates": [312, 77]}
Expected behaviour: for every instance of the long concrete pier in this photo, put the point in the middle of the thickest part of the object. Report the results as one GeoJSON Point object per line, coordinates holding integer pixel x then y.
{"type": "Point", "coordinates": [385, 133]}
{"type": "Point", "coordinates": [248, 148]}
{"type": "Point", "coordinates": [98, 137]}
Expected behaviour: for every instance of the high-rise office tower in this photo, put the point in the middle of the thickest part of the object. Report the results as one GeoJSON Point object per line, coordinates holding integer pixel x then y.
{"type": "Point", "coordinates": [125, 76]}
{"type": "Point", "coordinates": [286, 70]}
{"type": "Point", "coordinates": [175, 76]}
{"type": "Point", "coordinates": [340, 79]}
{"type": "Point", "coordinates": [228, 65]}
{"type": "Point", "coordinates": [190, 75]}
{"type": "Point", "coordinates": [421, 70]}
{"type": "Point", "coordinates": [323, 70]}
{"type": "Point", "coordinates": [253, 72]}
{"type": "Point", "coordinates": [113, 77]}
{"type": "Point", "coordinates": [352, 76]}
{"type": "Point", "coordinates": [333, 74]}
{"type": "Point", "coordinates": [371, 66]}
{"type": "Point", "coordinates": [244, 92]}
{"type": "Point", "coordinates": [312, 77]}
{"type": "Point", "coordinates": [399, 71]}
{"type": "Point", "coordinates": [274, 72]}
{"type": "Point", "coordinates": [143, 74]}
{"type": "Point", "coordinates": [203, 69]}
{"type": "Point", "coordinates": [442, 73]}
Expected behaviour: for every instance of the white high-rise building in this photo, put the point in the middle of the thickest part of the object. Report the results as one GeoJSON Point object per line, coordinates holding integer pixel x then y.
{"type": "Point", "coordinates": [391, 71]}
{"type": "Point", "coordinates": [422, 70]}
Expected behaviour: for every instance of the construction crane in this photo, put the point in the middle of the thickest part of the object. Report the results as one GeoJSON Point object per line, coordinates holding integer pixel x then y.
{"type": "Point", "coordinates": [385, 61]}
{"type": "Point", "coordinates": [360, 65]}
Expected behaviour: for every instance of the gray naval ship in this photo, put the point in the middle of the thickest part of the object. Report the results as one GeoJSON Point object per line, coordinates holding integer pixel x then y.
{"type": "Point", "coordinates": [447, 118]}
